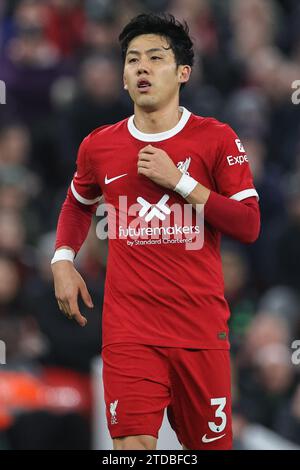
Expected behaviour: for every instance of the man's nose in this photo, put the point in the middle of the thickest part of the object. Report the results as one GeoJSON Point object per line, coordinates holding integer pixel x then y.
{"type": "Point", "coordinates": [143, 66]}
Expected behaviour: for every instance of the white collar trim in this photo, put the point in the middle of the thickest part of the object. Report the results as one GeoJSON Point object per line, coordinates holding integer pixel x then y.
{"type": "Point", "coordinates": [159, 135]}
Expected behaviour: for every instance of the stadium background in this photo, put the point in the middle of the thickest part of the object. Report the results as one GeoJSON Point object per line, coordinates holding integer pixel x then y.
{"type": "Point", "coordinates": [60, 62]}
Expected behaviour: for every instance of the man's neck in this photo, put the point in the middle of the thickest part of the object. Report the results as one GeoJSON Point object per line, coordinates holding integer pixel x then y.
{"type": "Point", "coordinates": [156, 121]}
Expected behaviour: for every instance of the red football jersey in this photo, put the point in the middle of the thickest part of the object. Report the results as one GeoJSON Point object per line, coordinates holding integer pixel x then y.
{"type": "Point", "coordinates": [161, 287]}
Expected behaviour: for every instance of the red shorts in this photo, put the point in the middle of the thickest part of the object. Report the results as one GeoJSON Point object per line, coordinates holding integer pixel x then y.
{"type": "Point", "coordinates": [140, 381]}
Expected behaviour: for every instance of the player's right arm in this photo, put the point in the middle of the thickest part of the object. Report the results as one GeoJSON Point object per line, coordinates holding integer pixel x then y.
{"type": "Point", "coordinates": [73, 225]}
{"type": "Point", "coordinates": [68, 285]}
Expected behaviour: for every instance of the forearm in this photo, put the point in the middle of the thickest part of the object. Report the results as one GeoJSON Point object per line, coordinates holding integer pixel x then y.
{"type": "Point", "coordinates": [73, 223]}
{"type": "Point", "coordinates": [237, 219]}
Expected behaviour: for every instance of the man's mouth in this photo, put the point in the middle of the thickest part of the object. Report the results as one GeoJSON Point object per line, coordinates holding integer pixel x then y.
{"type": "Point", "coordinates": [143, 85]}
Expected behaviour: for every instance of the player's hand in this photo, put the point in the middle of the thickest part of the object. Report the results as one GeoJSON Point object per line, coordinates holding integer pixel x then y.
{"type": "Point", "coordinates": [157, 165]}
{"type": "Point", "coordinates": [68, 285]}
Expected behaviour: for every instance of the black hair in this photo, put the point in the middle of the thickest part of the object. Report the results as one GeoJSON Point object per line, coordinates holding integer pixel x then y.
{"type": "Point", "coordinates": [163, 24]}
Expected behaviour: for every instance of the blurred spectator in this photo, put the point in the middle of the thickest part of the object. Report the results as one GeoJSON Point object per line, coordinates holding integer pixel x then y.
{"type": "Point", "coordinates": [248, 112]}
{"type": "Point", "coordinates": [30, 63]}
{"type": "Point", "coordinates": [99, 100]}
{"type": "Point", "coordinates": [264, 330]}
{"type": "Point", "coordinates": [288, 244]}
{"type": "Point", "coordinates": [289, 418]}
{"type": "Point", "coordinates": [65, 22]}
{"type": "Point", "coordinates": [18, 329]}
{"type": "Point", "coordinates": [14, 145]}
{"type": "Point", "coordinates": [283, 302]}
{"type": "Point", "coordinates": [268, 387]}
{"type": "Point", "coordinates": [266, 375]}
{"type": "Point", "coordinates": [199, 16]}
{"type": "Point", "coordinates": [254, 25]}
{"type": "Point", "coordinates": [19, 186]}
{"type": "Point", "coordinates": [12, 233]}
{"type": "Point", "coordinates": [267, 179]}
{"type": "Point", "coordinates": [240, 295]}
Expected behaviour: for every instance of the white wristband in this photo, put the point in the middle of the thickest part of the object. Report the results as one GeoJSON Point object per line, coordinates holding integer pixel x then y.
{"type": "Point", "coordinates": [185, 185]}
{"type": "Point", "coordinates": [63, 255]}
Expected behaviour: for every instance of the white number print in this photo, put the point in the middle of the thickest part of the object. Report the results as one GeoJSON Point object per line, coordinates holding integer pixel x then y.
{"type": "Point", "coordinates": [219, 413]}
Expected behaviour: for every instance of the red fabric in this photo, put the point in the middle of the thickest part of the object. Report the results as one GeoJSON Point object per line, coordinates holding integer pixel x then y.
{"type": "Point", "coordinates": [140, 381]}
{"type": "Point", "coordinates": [164, 291]}
{"type": "Point", "coordinates": [238, 219]}
{"type": "Point", "coordinates": [73, 223]}
{"type": "Point", "coordinates": [85, 182]}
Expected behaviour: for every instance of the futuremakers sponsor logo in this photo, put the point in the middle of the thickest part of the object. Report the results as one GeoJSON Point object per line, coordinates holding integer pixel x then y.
{"type": "Point", "coordinates": [159, 210]}
{"type": "Point", "coordinates": [156, 213]}
{"type": "Point", "coordinates": [155, 223]}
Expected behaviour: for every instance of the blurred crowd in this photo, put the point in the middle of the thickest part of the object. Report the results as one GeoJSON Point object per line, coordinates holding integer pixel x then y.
{"type": "Point", "coordinates": [61, 64]}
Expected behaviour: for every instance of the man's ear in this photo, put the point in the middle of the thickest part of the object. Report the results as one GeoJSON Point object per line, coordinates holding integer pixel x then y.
{"type": "Point", "coordinates": [184, 73]}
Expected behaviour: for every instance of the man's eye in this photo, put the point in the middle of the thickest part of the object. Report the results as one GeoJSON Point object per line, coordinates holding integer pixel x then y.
{"type": "Point", "coordinates": [155, 57]}
{"type": "Point", "coordinates": [132, 60]}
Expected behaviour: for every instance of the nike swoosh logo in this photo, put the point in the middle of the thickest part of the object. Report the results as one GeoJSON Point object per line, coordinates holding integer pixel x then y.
{"type": "Point", "coordinates": [110, 180]}
{"type": "Point", "coordinates": [205, 439]}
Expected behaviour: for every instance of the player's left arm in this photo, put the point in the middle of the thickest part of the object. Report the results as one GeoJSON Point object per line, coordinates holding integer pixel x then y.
{"type": "Point", "coordinates": [232, 209]}
{"type": "Point", "coordinates": [237, 219]}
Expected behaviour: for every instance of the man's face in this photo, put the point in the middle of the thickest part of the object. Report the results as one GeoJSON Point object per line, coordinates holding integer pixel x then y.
{"type": "Point", "coordinates": [151, 74]}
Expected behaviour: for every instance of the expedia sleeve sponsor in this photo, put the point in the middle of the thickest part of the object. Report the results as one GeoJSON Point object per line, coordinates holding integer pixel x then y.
{"type": "Point", "coordinates": [232, 173]}
{"type": "Point", "coordinates": [239, 160]}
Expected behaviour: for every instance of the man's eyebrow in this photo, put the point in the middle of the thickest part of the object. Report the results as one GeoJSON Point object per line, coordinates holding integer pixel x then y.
{"type": "Point", "coordinates": [154, 49]}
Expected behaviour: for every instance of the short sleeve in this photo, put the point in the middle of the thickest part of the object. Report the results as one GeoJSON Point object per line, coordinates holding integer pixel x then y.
{"type": "Point", "coordinates": [84, 186]}
{"type": "Point", "coordinates": [232, 173]}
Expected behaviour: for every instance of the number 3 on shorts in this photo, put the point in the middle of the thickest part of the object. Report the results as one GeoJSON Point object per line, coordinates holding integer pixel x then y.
{"type": "Point", "coordinates": [219, 413]}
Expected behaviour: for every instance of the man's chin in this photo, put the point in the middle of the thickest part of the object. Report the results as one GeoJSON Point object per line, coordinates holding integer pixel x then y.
{"type": "Point", "coordinates": [148, 103]}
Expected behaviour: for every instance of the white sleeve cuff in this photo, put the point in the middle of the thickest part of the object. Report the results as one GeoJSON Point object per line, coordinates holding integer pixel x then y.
{"type": "Point", "coordinates": [244, 194]}
{"type": "Point", "coordinates": [81, 199]}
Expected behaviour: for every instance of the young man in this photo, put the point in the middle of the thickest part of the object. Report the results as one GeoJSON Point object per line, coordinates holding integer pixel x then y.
{"type": "Point", "coordinates": [165, 334]}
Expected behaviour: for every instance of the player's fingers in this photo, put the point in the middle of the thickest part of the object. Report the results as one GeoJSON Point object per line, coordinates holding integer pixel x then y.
{"type": "Point", "coordinates": [144, 157]}
{"type": "Point", "coordinates": [144, 171]}
{"type": "Point", "coordinates": [86, 296]}
{"type": "Point", "coordinates": [143, 164]}
{"type": "Point", "coordinates": [148, 149]}
{"type": "Point", "coordinates": [64, 308]}
{"type": "Point", "coordinates": [74, 311]}
{"type": "Point", "coordinates": [61, 306]}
